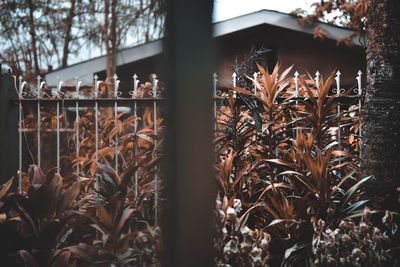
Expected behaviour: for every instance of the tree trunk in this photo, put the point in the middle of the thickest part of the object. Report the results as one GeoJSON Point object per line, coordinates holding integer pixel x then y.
{"type": "Point", "coordinates": [381, 147]}
{"type": "Point", "coordinates": [111, 38]}
{"type": "Point", "coordinates": [67, 36]}
{"type": "Point", "coordinates": [32, 32]}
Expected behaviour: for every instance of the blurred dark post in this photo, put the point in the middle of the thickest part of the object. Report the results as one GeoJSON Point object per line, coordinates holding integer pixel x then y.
{"type": "Point", "coordinates": [189, 151]}
{"type": "Point", "coordinates": [8, 128]}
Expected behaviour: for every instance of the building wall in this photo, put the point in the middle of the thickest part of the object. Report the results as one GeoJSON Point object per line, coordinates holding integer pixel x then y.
{"type": "Point", "coordinates": [290, 47]}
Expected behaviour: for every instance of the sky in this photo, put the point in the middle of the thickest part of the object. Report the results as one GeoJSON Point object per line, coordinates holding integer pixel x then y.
{"type": "Point", "coordinates": [225, 9]}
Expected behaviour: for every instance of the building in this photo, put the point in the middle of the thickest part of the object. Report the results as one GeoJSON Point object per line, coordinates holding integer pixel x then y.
{"type": "Point", "coordinates": [287, 41]}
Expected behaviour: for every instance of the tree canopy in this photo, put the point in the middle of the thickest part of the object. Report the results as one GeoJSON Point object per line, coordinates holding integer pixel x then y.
{"type": "Point", "coordinates": [40, 35]}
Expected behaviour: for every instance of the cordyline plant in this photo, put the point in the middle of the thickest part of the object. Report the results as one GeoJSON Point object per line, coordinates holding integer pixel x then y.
{"type": "Point", "coordinates": [87, 214]}
{"type": "Point", "coordinates": [279, 157]}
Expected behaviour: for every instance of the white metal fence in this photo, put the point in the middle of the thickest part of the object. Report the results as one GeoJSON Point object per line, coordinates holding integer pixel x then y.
{"type": "Point", "coordinates": [74, 99]}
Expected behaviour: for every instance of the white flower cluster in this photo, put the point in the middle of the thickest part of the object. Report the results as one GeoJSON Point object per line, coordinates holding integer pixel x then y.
{"type": "Point", "coordinates": [353, 244]}
{"type": "Point", "coordinates": [240, 246]}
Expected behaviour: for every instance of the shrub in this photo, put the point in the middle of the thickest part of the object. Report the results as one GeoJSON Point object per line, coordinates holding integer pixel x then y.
{"type": "Point", "coordinates": [93, 216]}
{"type": "Point", "coordinates": [280, 157]}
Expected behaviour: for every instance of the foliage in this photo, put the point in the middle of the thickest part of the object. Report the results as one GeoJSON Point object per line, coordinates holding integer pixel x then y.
{"type": "Point", "coordinates": [236, 243]}
{"type": "Point", "coordinates": [51, 227]}
{"type": "Point", "coordinates": [354, 244]}
{"type": "Point", "coordinates": [279, 157]}
{"type": "Point", "coordinates": [345, 13]}
{"type": "Point", "coordinates": [290, 189]}
{"type": "Point", "coordinates": [87, 213]}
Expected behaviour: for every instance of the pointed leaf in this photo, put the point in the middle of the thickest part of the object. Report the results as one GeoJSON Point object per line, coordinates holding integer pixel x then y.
{"type": "Point", "coordinates": [5, 187]}
{"type": "Point", "coordinates": [125, 216]}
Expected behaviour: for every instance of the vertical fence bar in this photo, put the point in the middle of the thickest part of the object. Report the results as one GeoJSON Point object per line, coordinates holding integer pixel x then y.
{"type": "Point", "coordinates": [337, 79]}
{"type": "Point", "coordinates": [20, 137]}
{"type": "Point", "coordinates": [155, 95]}
{"type": "Point", "coordinates": [58, 126]}
{"type": "Point", "coordinates": [96, 134]}
{"type": "Point", "coordinates": [296, 95]}
{"type": "Point", "coordinates": [359, 95]}
{"type": "Point", "coordinates": [255, 75]}
{"type": "Point", "coordinates": [135, 127]}
{"type": "Point", "coordinates": [78, 85]}
{"type": "Point", "coordinates": [339, 137]}
{"type": "Point", "coordinates": [215, 80]}
{"type": "Point", "coordinates": [20, 96]}
{"type": "Point", "coordinates": [38, 121]}
{"type": "Point", "coordinates": [116, 84]}
{"type": "Point", "coordinates": [96, 116]}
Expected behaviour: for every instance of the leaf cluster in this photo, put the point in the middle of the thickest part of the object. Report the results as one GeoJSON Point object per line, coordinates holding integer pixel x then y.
{"type": "Point", "coordinates": [88, 213]}
{"type": "Point", "coordinates": [280, 155]}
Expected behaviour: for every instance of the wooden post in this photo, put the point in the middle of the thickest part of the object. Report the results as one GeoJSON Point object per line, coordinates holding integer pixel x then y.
{"type": "Point", "coordinates": [187, 213]}
{"type": "Point", "coordinates": [8, 128]}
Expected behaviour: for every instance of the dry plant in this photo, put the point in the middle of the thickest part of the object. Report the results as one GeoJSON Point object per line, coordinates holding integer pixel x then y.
{"type": "Point", "coordinates": [279, 157]}
{"type": "Point", "coordinates": [86, 214]}
{"type": "Point", "coordinates": [290, 193]}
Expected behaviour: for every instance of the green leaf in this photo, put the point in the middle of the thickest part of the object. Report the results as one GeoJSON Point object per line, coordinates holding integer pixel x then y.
{"type": "Point", "coordinates": [346, 197]}
{"type": "Point", "coordinates": [355, 206]}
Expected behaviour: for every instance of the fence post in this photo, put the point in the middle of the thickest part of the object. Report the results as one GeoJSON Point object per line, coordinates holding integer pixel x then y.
{"type": "Point", "coordinates": [77, 118]}
{"type": "Point", "coordinates": [58, 125]}
{"type": "Point", "coordinates": [215, 80]}
{"type": "Point", "coordinates": [116, 93]}
{"type": "Point", "coordinates": [38, 118]}
{"type": "Point", "coordinates": [134, 95]}
{"type": "Point", "coordinates": [189, 181]}
{"type": "Point", "coordinates": [8, 128]}
{"type": "Point", "coordinates": [96, 115]}
{"type": "Point", "coordinates": [339, 136]}
{"type": "Point", "coordinates": [155, 94]}
{"type": "Point", "coordinates": [21, 86]}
